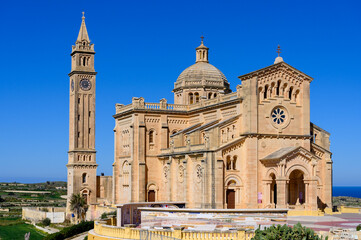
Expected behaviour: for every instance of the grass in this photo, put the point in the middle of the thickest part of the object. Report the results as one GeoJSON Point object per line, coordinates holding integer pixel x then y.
{"type": "Point", "coordinates": [17, 231]}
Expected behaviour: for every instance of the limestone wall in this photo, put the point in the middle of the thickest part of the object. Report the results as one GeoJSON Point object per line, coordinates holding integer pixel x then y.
{"type": "Point", "coordinates": [37, 214]}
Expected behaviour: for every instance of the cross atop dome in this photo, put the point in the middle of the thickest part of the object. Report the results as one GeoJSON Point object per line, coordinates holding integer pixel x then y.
{"type": "Point", "coordinates": [202, 52]}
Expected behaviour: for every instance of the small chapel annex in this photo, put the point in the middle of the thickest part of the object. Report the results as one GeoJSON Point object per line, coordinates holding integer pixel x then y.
{"type": "Point", "coordinates": [212, 148]}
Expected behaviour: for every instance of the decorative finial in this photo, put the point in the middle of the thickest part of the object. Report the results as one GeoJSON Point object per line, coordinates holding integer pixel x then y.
{"type": "Point", "coordinates": [202, 39]}
{"type": "Point", "coordinates": [83, 17]}
{"type": "Point", "coordinates": [278, 50]}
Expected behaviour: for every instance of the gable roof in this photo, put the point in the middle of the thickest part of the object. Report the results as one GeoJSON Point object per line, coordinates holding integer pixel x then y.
{"type": "Point", "coordinates": [274, 68]}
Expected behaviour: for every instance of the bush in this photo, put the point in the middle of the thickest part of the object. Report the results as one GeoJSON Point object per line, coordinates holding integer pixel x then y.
{"type": "Point", "coordinates": [358, 228]}
{"type": "Point", "coordinates": [71, 231]}
{"type": "Point", "coordinates": [46, 222]}
{"type": "Point", "coordinates": [297, 232]}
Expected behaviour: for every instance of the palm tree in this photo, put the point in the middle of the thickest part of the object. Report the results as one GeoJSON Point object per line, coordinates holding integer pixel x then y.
{"type": "Point", "coordinates": [78, 205]}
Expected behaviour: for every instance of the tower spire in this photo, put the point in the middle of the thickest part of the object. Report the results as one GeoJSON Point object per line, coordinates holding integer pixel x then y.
{"type": "Point", "coordinates": [83, 33]}
{"type": "Point", "coordinates": [202, 52]}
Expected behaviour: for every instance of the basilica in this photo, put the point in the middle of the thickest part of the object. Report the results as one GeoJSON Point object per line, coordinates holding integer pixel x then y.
{"type": "Point", "coordinates": [253, 148]}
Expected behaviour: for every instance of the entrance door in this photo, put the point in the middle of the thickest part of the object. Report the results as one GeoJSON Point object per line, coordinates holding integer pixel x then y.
{"type": "Point", "coordinates": [151, 196]}
{"type": "Point", "coordinates": [231, 199]}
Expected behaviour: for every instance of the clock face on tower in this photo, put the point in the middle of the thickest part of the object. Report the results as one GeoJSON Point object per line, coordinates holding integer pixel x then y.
{"type": "Point", "coordinates": [85, 84]}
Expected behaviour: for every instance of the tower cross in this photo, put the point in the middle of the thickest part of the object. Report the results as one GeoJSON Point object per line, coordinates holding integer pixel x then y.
{"type": "Point", "coordinates": [202, 38]}
{"type": "Point", "coordinates": [278, 50]}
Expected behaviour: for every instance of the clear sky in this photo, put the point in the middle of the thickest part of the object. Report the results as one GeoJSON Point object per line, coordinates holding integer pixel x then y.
{"type": "Point", "coordinates": [142, 47]}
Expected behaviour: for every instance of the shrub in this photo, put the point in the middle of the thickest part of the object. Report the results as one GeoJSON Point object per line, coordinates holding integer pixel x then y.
{"type": "Point", "coordinates": [46, 222]}
{"type": "Point", "coordinates": [358, 228]}
{"type": "Point", "coordinates": [103, 216]}
{"type": "Point", "coordinates": [86, 238]}
{"type": "Point", "coordinates": [71, 231]}
{"type": "Point", "coordinates": [297, 232]}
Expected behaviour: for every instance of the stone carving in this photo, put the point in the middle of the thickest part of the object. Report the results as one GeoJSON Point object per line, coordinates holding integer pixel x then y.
{"type": "Point", "coordinates": [199, 173]}
{"type": "Point", "coordinates": [166, 173]}
{"type": "Point", "coordinates": [181, 173]}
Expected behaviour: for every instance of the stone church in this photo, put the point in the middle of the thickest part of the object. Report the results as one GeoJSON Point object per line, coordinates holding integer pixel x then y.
{"type": "Point", "coordinates": [212, 148]}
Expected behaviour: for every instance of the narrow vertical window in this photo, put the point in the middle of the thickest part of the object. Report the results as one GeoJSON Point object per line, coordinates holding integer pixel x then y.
{"type": "Point", "coordinates": [84, 178]}
{"type": "Point", "coordinates": [196, 95]}
{"type": "Point", "coordinates": [151, 137]}
{"type": "Point", "coordinates": [190, 98]}
{"type": "Point", "coordinates": [89, 130]}
{"type": "Point", "coordinates": [290, 93]}
{"type": "Point", "coordinates": [265, 92]}
{"type": "Point", "coordinates": [78, 100]}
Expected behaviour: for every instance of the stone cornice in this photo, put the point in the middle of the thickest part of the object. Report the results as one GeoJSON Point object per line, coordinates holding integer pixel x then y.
{"type": "Point", "coordinates": [178, 112]}
{"type": "Point", "coordinates": [81, 151]}
{"type": "Point", "coordinates": [319, 148]}
{"type": "Point", "coordinates": [81, 72]}
{"type": "Point", "coordinates": [282, 66]}
{"type": "Point", "coordinates": [259, 135]}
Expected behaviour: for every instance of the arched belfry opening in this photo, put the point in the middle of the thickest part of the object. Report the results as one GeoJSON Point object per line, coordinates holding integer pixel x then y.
{"type": "Point", "coordinates": [296, 188]}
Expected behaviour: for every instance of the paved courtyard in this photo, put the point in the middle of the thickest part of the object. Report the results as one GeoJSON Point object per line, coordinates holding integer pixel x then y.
{"type": "Point", "coordinates": [325, 223]}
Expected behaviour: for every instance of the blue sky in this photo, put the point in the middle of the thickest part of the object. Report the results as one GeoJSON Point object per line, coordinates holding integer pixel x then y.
{"type": "Point", "coordinates": [142, 46]}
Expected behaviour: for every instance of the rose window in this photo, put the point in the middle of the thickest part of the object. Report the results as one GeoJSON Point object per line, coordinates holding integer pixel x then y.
{"type": "Point", "coordinates": [278, 116]}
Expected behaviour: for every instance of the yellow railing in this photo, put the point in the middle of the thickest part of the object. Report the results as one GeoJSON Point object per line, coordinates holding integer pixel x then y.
{"type": "Point", "coordinates": [102, 231]}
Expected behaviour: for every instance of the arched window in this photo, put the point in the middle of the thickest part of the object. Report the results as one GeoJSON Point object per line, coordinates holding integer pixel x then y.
{"type": "Point", "coordinates": [234, 163]}
{"type": "Point", "coordinates": [215, 95]}
{"type": "Point", "coordinates": [265, 92]}
{"type": "Point", "coordinates": [196, 96]}
{"type": "Point", "coordinates": [190, 98]}
{"type": "Point", "coordinates": [83, 178]}
{"type": "Point", "coordinates": [209, 95]}
{"type": "Point", "coordinates": [290, 93]}
{"type": "Point", "coordinates": [297, 96]}
{"type": "Point", "coordinates": [229, 163]}
{"type": "Point", "coordinates": [151, 136]}
{"type": "Point", "coordinates": [125, 173]}
{"type": "Point", "coordinates": [278, 88]}
{"type": "Point", "coordinates": [84, 61]}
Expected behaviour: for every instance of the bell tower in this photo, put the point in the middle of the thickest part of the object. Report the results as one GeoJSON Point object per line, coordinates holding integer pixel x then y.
{"type": "Point", "coordinates": [81, 155]}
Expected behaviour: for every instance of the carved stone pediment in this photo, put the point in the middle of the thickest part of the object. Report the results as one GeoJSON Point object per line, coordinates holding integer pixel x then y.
{"type": "Point", "coordinates": [284, 155]}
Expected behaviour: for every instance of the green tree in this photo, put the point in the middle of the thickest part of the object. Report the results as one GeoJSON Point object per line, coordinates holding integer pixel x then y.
{"type": "Point", "coordinates": [46, 221]}
{"type": "Point", "coordinates": [297, 232]}
{"type": "Point", "coordinates": [78, 206]}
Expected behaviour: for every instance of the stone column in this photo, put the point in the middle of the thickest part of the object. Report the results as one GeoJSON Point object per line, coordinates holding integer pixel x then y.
{"type": "Point", "coordinates": [266, 193]}
{"type": "Point", "coordinates": [281, 193]}
{"type": "Point", "coordinates": [173, 179]}
{"type": "Point", "coordinates": [219, 183]}
{"type": "Point", "coordinates": [189, 184]}
{"type": "Point", "coordinates": [119, 216]}
{"type": "Point", "coordinates": [312, 192]}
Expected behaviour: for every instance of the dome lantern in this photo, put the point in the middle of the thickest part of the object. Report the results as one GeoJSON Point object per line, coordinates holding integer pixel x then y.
{"type": "Point", "coordinates": [202, 52]}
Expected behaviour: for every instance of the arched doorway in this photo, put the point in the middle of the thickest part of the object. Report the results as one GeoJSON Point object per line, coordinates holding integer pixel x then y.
{"type": "Point", "coordinates": [151, 196]}
{"type": "Point", "coordinates": [85, 195]}
{"type": "Point", "coordinates": [152, 193]}
{"type": "Point", "coordinates": [273, 190]}
{"type": "Point", "coordinates": [296, 188]}
{"type": "Point", "coordinates": [231, 194]}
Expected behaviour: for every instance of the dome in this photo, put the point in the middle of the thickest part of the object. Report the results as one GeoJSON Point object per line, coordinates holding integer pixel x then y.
{"type": "Point", "coordinates": [202, 75]}
{"type": "Point", "coordinates": [203, 71]}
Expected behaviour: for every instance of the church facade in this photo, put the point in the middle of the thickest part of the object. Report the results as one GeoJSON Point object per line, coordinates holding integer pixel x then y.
{"type": "Point", "coordinates": [212, 148]}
